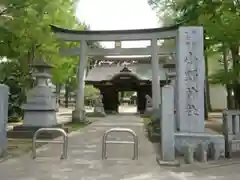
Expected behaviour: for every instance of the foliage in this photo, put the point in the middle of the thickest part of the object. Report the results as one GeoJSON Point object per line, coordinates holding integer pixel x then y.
{"type": "Point", "coordinates": [65, 71]}
{"type": "Point", "coordinates": [128, 93]}
{"type": "Point", "coordinates": [220, 21]}
{"type": "Point", "coordinates": [32, 34]}
{"type": "Point", "coordinates": [91, 92]}
{"type": "Point", "coordinates": [18, 80]}
{"type": "Point", "coordinates": [221, 15]}
{"type": "Point", "coordinates": [26, 35]}
{"type": "Point", "coordinates": [75, 126]}
{"type": "Point", "coordinates": [146, 122]}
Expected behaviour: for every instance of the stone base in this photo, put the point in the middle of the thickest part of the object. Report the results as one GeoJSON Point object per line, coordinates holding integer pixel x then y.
{"type": "Point", "coordinates": [27, 132]}
{"type": "Point", "coordinates": [159, 160]}
{"type": "Point", "coordinates": [168, 163]}
{"type": "Point", "coordinates": [194, 139]}
{"type": "Point", "coordinates": [96, 114]}
{"type": "Point", "coordinates": [40, 118]}
{"type": "Point", "coordinates": [78, 116]}
{"type": "Point", "coordinates": [156, 114]}
{"type": "Point", "coordinates": [148, 112]}
{"type": "Point", "coordinates": [3, 152]}
{"type": "Point", "coordinates": [3, 141]}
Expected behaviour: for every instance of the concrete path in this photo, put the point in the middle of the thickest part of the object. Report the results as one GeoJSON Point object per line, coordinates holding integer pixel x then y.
{"type": "Point", "coordinates": [84, 161]}
{"type": "Point", "coordinates": [127, 109]}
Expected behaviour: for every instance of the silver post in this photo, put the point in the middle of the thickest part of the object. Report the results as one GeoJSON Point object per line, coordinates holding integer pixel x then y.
{"type": "Point", "coordinates": [34, 148]}
{"type": "Point", "coordinates": [64, 142]}
{"type": "Point", "coordinates": [134, 142]}
{"type": "Point", "coordinates": [135, 155]}
{"type": "Point", "coordinates": [64, 147]}
{"type": "Point", "coordinates": [104, 148]}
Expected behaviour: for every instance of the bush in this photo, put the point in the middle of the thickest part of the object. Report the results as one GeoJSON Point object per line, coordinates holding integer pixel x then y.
{"type": "Point", "coordinates": [91, 93]}
{"type": "Point", "coordinates": [19, 81]}
{"type": "Point", "coordinates": [146, 122]}
{"type": "Point", "coordinates": [152, 127]}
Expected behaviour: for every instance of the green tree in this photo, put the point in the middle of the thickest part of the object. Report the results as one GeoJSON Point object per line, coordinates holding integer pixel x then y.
{"type": "Point", "coordinates": [220, 21]}
{"type": "Point", "coordinates": [25, 34]}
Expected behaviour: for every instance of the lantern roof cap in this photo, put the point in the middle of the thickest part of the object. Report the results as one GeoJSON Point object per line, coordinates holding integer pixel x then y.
{"type": "Point", "coordinates": [41, 63]}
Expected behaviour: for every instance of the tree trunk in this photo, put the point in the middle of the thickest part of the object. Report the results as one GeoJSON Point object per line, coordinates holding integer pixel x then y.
{"type": "Point", "coordinates": [122, 95]}
{"type": "Point", "coordinates": [235, 57]}
{"type": "Point", "coordinates": [58, 90]}
{"type": "Point", "coordinates": [228, 86]}
{"type": "Point", "coordinates": [207, 101]}
{"type": "Point", "coordinates": [66, 95]}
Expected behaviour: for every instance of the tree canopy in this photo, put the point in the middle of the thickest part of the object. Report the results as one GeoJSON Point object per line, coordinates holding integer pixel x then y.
{"type": "Point", "coordinates": [222, 33]}
{"type": "Point", "coordinates": [26, 35]}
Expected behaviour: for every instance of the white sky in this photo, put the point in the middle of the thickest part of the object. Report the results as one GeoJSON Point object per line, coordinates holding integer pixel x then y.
{"type": "Point", "coordinates": [118, 14]}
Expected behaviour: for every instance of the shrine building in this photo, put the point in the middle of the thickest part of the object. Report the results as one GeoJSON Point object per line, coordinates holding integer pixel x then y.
{"type": "Point", "coordinates": [117, 74]}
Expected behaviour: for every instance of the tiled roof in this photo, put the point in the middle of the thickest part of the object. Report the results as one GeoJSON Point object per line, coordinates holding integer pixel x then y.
{"type": "Point", "coordinates": [143, 71]}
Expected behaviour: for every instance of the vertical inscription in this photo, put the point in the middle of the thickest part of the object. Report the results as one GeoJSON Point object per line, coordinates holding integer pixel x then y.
{"type": "Point", "coordinates": [191, 74]}
{"type": "Point", "coordinates": [190, 79]}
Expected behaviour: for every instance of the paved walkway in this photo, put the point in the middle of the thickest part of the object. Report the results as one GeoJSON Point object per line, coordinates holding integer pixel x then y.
{"type": "Point", "coordinates": [84, 161]}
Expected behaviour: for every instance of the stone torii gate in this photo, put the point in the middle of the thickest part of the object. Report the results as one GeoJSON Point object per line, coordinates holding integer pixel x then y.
{"type": "Point", "coordinates": [189, 66]}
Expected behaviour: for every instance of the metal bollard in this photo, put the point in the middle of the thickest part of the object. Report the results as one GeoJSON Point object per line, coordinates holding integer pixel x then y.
{"type": "Point", "coordinates": [64, 142]}
{"type": "Point", "coordinates": [134, 142]}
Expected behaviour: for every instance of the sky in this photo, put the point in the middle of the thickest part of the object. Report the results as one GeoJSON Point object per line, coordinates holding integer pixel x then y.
{"type": "Point", "coordinates": [118, 15]}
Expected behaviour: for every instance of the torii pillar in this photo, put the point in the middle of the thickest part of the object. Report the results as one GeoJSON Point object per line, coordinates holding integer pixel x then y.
{"type": "Point", "coordinates": [78, 114]}
{"type": "Point", "coordinates": [156, 90]}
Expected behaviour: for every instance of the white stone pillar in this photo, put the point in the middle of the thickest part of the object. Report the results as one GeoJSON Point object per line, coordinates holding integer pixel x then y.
{"type": "Point", "coordinates": [167, 124]}
{"type": "Point", "coordinates": [79, 112]}
{"type": "Point", "coordinates": [190, 79]}
{"type": "Point", "coordinates": [4, 90]}
{"type": "Point", "coordinates": [156, 94]}
{"type": "Point", "coordinates": [172, 77]}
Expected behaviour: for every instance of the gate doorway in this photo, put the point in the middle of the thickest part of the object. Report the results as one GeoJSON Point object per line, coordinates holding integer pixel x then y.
{"type": "Point", "coordinates": [127, 102]}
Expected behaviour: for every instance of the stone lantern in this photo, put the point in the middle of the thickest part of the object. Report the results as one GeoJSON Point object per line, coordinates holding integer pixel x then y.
{"type": "Point", "coordinates": [40, 108]}
{"type": "Point", "coordinates": [42, 72]}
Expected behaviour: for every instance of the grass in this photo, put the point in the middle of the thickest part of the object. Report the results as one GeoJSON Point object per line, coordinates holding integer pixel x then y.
{"type": "Point", "coordinates": [17, 147]}
{"type": "Point", "coordinates": [146, 121]}
{"type": "Point", "coordinates": [75, 126]}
